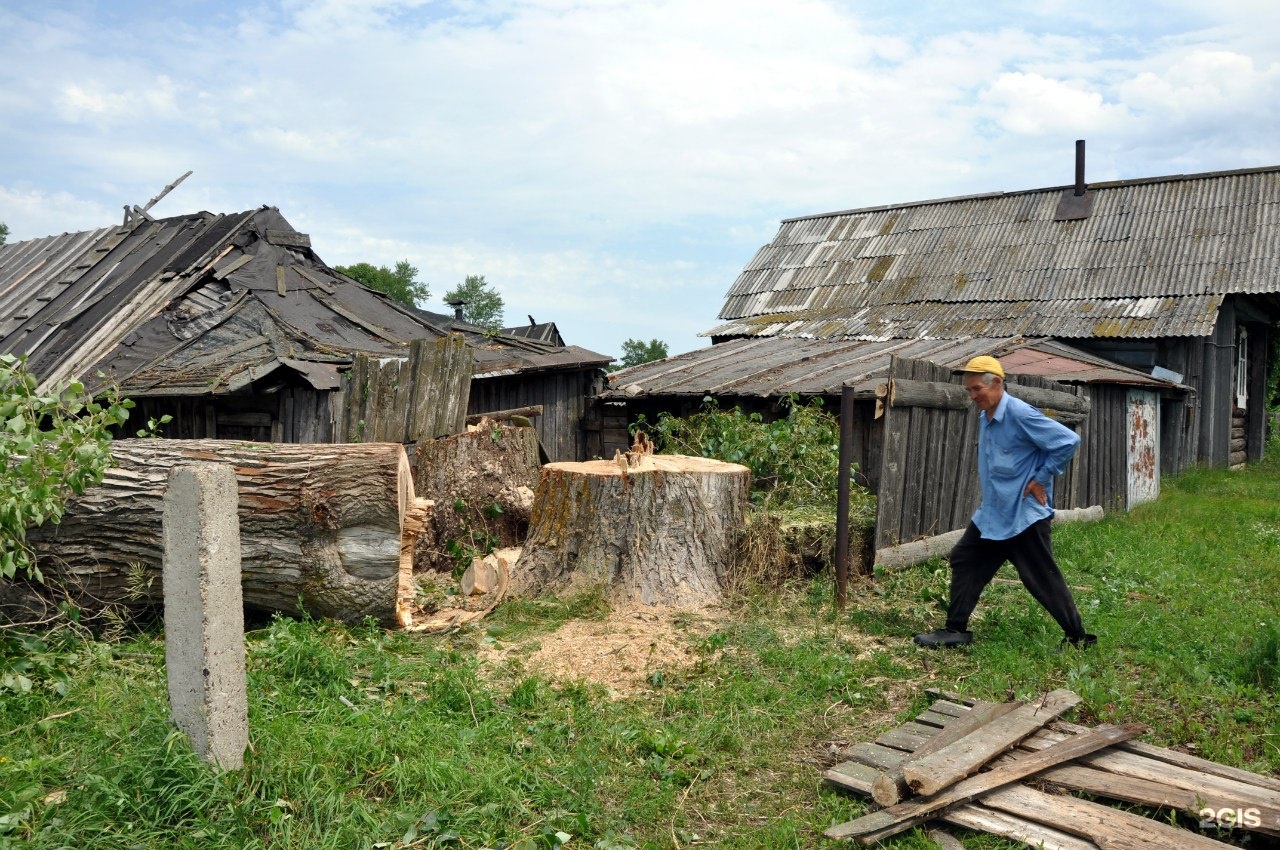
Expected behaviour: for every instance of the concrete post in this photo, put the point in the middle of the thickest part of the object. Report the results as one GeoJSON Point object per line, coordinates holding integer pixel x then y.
{"type": "Point", "coordinates": [203, 612]}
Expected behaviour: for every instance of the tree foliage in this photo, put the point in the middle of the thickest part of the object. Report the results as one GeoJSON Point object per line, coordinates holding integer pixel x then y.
{"type": "Point", "coordinates": [51, 447]}
{"type": "Point", "coordinates": [400, 283]}
{"type": "Point", "coordinates": [794, 461]}
{"type": "Point", "coordinates": [4, 232]}
{"type": "Point", "coordinates": [483, 305]}
{"type": "Point", "coordinates": [637, 351]}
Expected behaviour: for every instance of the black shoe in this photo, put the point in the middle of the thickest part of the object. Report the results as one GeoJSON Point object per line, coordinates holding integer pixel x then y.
{"type": "Point", "coordinates": [1083, 642]}
{"type": "Point", "coordinates": [944, 637]}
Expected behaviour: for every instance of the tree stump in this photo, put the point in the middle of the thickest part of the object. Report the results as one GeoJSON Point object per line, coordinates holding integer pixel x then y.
{"type": "Point", "coordinates": [482, 484]}
{"type": "Point", "coordinates": [328, 527]}
{"type": "Point", "coordinates": [654, 529]}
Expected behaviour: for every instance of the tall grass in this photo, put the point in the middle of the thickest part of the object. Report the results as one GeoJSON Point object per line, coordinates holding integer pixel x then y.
{"type": "Point", "coordinates": [363, 739]}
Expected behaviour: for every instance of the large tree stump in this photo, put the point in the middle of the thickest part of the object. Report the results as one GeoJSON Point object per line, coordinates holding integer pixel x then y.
{"type": "Point", "coordinates": [482, 484]}
{"type": "Point", "coordinates": [325, 527]}
{"type": "Point", "coordinates": [655, 529]}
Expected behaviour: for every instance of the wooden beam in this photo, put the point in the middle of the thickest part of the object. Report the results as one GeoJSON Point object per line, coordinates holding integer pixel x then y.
{"type": "Point", "coordinates": [931, 773]}
{"type": "Point", "coordinates": [877, 826]}
{"type": "Point", "coordinates": [890, 788]}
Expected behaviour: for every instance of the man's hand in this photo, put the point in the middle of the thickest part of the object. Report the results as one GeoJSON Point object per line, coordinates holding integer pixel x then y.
{"type": "Point", "coordinates": [1035, 488]}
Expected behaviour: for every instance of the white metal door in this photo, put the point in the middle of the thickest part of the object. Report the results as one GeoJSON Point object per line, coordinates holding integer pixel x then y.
{"type": "Point", "coordinates": [1144, 447]}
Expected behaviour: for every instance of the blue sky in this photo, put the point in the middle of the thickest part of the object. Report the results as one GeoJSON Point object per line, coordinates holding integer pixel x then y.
{"type": "Point", "coordinates": [607, 165]}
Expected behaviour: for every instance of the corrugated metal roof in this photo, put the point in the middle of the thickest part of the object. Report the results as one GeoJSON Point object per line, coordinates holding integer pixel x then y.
{"type": "Point", "coordinates": [204, 303]}
{"type": "Point", "coordinates": [769, 367]}
{"type": "Point", "coordinates": [1155, 258]}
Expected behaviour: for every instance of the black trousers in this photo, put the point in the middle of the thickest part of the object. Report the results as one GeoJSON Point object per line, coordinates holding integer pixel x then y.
{"type": "Point", "coordinates": [974, 562]}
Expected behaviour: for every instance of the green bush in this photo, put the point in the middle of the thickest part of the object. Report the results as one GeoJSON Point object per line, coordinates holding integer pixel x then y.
{"type": "Point", "coordinates": [52, 446]}
{"type": "Point", "coordinates": [794, 460]}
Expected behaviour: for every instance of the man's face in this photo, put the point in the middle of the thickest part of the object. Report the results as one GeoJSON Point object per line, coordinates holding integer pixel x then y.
{"type": "Point", "coordinates": [985, 397]}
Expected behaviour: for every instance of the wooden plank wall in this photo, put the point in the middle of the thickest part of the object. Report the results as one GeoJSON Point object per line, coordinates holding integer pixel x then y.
{"type": "Point", "coordinates": [563, 396]}
{"type": "Point", "coordinates": [294, 414]}
{"type": "Point", "coordinates": [403, 400]}
{"type": "Point", "coordinates": [928, 481]}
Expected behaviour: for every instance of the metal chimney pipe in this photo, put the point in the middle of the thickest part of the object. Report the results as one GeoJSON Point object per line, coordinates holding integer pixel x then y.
{"type": "Point", "coordinates": [1079, 168]}
{"type": "Point", "coordinates": [457, 308]}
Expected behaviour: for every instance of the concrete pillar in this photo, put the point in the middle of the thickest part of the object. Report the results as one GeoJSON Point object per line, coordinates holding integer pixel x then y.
{"type": "Point", "coordinates": [203, 612]}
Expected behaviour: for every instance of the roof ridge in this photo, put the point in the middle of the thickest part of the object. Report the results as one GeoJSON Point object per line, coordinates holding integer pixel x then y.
{"type": "Point", "coordinates": [1108, 184]}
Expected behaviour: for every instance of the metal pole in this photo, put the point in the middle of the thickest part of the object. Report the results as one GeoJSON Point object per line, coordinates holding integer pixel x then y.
{"type": "Point", "coordinates": [842, 496]}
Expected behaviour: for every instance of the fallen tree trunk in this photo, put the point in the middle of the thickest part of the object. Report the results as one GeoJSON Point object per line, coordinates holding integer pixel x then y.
{"type": "Point", "coordinates": [655, 529]}
{"type": "Point", "coordinates": [322, 527]}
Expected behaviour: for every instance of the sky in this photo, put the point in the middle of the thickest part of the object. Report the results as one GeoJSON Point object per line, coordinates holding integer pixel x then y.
{"type": "Point", "coordinates": [609, 165]}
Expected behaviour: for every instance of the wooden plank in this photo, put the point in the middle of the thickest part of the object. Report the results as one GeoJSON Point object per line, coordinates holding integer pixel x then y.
{"type": "Point", "coordinates": [908, 736]}
{"type": "Point", "coordinates": [875, 755]}
{"type": "Point", "coordinates": [1101, 824]}
{"type": "Point", "coordinates": [877, 826]}
{"type": "Point", "coordinates": [281, 288]}
{"type": "Point", "coordinates": [1157, 795]}
{"type": "Point", "coordinates": [890, 788]}
{"type": "Point", "coordinates": [935, 771]}
{"type": "Point", "coordinates": [1185, 760]}
{"type": "Point", "coordinates": [1141, 767]}
{"type": "Point", "coordinates": [855, 776]}
{"type": "Point", "coordinates": [944, 840]}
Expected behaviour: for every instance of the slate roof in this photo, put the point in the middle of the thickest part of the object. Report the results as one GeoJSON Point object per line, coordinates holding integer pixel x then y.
{"type": "Point", "coordinates": [1154, 258]}
{"type": "Point", "coordinates": [208, 303]}
{"type": "Point", "coordinates": [776, 366]}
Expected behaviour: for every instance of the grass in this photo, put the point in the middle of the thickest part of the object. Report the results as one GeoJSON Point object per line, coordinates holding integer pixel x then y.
{"type": "Point", "coordinates": [440, 751]}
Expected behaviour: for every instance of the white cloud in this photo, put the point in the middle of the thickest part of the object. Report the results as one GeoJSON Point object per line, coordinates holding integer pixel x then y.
{"type": "Point", "coordinates": [585, 155]}
{"type": "Point", "coordinates": [1030, 104]}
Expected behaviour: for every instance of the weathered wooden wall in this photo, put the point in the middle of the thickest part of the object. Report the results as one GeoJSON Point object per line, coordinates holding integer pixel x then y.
{"type": "Point", "coordinates": [563, 396]}
{"type": "Point", "coordinates": [292, 414]}
{"type": "Point", "coordinates": [384, 400]}
{"type": "Point", "coordinates": [928, 481]}
{"type": "Point", "coordinates": [403, 400]}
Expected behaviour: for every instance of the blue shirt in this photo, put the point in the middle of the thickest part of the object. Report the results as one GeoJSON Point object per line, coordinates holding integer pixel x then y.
{"type": "Point", "coordinates": [1017, 444]}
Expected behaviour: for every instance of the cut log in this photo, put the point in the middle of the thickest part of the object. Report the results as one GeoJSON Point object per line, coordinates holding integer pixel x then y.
{"type": "Point", "coordinates": [890, 788]}
{"type": "Point", "coordinates": [931, 773]}
{"type": "Point", "coordinates": [482, 484]}
{"type": "Point", "coordinates": [321, 527]}
{"type": "Point", "coordinates": [654, 529]}
{"type": "Point", "coordinates": [480, 578]}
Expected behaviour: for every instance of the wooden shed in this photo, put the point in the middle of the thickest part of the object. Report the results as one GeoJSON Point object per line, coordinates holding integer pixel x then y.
{"type": "Point", "coordinates": [232, 325]}
{"type": "Point", "coordinates": [1177, 276]}
{"type": "Point", "coordinates": [906, 445]}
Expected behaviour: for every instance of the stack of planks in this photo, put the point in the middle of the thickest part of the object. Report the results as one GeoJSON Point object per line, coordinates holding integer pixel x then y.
{"type": "Point", "coordinates": [1006, 769]}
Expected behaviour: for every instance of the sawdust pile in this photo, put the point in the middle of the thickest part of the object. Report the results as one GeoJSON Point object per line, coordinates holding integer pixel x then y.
{"type": "Point", "coordinates": [621, 651]}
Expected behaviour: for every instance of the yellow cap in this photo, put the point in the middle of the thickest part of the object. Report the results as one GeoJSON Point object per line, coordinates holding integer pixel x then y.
{"type": "Point", "coordinates": [984, 364]}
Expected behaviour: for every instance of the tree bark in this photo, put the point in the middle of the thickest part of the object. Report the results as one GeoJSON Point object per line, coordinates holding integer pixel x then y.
{"type": "Point", "coordinates": [482, 484]}
{"type": "Point", "coordinates": [654, 529]}
{"type": "Point", "coordinates": [322, 527]}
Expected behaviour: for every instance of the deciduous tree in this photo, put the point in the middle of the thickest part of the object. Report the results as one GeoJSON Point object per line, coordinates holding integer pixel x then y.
{"type": "Point", "coordinates": [400, 283]}
{"type": "Point", "coordinates": [483, 305]}
{"type": "Point", "coordinates": [636, 351]}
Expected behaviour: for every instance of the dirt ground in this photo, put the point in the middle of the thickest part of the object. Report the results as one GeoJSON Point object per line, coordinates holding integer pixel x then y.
{"type": "Point", "coordinates": [620, 651]}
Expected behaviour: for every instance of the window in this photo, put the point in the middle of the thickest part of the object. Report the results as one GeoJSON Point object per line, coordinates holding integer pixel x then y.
{"type": "Point", "coordinates": [1242, 368]}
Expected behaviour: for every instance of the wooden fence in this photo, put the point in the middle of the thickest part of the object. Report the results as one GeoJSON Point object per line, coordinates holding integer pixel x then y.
{"type": "Point", "coordinates": [927, 482]}
{"type": "Point", "coordinates": [403, 400]}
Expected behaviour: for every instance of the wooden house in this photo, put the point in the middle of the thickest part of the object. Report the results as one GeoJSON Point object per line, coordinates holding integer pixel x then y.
{"type": "Point", "coordinates": [233, 325]}
{"type": "Point", "coordinates": [1173, 276]}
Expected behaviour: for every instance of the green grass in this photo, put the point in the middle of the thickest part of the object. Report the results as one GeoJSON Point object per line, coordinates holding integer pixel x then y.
{"type": "Point", "coordinates": [441, 752]}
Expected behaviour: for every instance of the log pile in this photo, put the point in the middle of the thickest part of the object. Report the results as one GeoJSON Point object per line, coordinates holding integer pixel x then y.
{"type": "Point", "coordinates": [653, 529]}
{"type": "Point", "coordinates": [1008, 769]}
{"type": "Point", "coordinates": [328, 527]}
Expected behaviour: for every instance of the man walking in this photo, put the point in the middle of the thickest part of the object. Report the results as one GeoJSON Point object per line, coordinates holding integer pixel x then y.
{"type": "Point", "coordinates": [1020, 450]}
